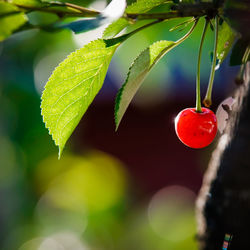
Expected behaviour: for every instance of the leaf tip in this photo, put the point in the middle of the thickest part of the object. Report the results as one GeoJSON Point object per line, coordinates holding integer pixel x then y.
{"type": "Point", "coordinates": [116, 125]}
{"type": "Point", "coordinates": [117, 106]}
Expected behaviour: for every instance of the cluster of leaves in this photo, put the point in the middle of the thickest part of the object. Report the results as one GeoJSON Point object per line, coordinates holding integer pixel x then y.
{"type": "Point", "coordinates": [76, 81]}
{"type": "Point", "coordinates": [14, 14]}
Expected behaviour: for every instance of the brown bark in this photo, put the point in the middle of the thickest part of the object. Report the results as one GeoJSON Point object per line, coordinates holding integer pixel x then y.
{"type": "Point", "coordinates": [223, 205]}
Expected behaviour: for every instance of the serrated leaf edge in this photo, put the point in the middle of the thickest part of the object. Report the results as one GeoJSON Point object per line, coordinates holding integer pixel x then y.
{"type": "Point", "coordinates": [120, 92]}
{"type": "Point", "coordinates": [45, 88]}
{"type": "Point", "coordinates": [135, 3]}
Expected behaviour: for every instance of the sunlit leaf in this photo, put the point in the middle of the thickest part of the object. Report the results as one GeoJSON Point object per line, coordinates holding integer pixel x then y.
{"type": "Point", "coordinates": [73, 86]}
{"type": "Point", "coordinates": [27, 3]}
{"type": "Point", "coordinates": [142, 6]}
{"type": "Point", "coordinates": [226, 37]}
{"type": "Point", "coordinates": [115, 28]}
{"type": "Point", "coordinates": [137, 73]}
{"type": "Point", "coordinates": [10, 19]}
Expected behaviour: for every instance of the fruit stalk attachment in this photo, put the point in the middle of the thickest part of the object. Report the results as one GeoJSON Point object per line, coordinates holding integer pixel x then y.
{"type": "Point", "coordinates": [198, 94]}
{"type": "Point", "coordinates": [208, 98]}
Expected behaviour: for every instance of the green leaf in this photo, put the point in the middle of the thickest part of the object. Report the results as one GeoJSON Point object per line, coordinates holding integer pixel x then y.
{"type": "Point", "coordinates": [142, 6]}
{"type": "Point", "coordinates": [10, 19]}
{"type": "Point", "coordinates": [226, 37]}
{"type": "Point", "coordinates": [238, 52]}
{"type": "Point", "coordinates": [28, 3]}
{"type": "Point", "coordinates": [137, 73]}
{"type": "Point", "coordinates": [115, 28]}
{"type": "Point", "coordinates": [72, 87]}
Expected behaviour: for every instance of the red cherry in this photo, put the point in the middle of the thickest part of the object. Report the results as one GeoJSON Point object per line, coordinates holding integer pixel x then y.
{"type": "Point", "coordinates": [194, 129]}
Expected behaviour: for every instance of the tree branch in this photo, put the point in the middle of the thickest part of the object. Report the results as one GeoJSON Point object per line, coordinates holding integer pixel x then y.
{"type": "Point", "coordinates": [71, 10]}
{"type": "Point", "coordinates": [223, 204]}
{"type": "Point", "coordinates": [180, 10]}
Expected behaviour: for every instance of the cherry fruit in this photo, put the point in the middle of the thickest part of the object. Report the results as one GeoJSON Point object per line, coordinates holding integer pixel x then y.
{"type": "Point", "coordinates": [196, 129]}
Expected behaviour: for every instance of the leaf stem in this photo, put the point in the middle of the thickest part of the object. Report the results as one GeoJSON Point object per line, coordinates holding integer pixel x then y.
{"type": "Point", "coordinates": [198, 90]}
{"type": "Point", "coordinates": [176, 43]}
{"type": "Point", "coordinates": [82, 9]}
{"type": "Point", "coordinates": [71, 11]}
{"type": "Point", "coordinates": [143, 27]}
{"type": "Point", "coordinates": [124, 37]}
{"type": "Point", "coordinates": [182, 25]}
{"type": "Point", "coordinates": [208, 98]}
{"type": "Point", "coordinates": [187, 34]}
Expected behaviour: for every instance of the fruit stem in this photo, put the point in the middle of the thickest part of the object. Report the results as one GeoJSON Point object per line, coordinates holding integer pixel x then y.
{"type": "Point", "coordinates": [208, 98]}
{"type": "Point", "coordinates": [198, 89]}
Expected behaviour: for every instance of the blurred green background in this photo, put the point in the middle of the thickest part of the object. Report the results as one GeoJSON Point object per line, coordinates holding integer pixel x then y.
{"type": "Point", "coordinates": [134, 189]}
